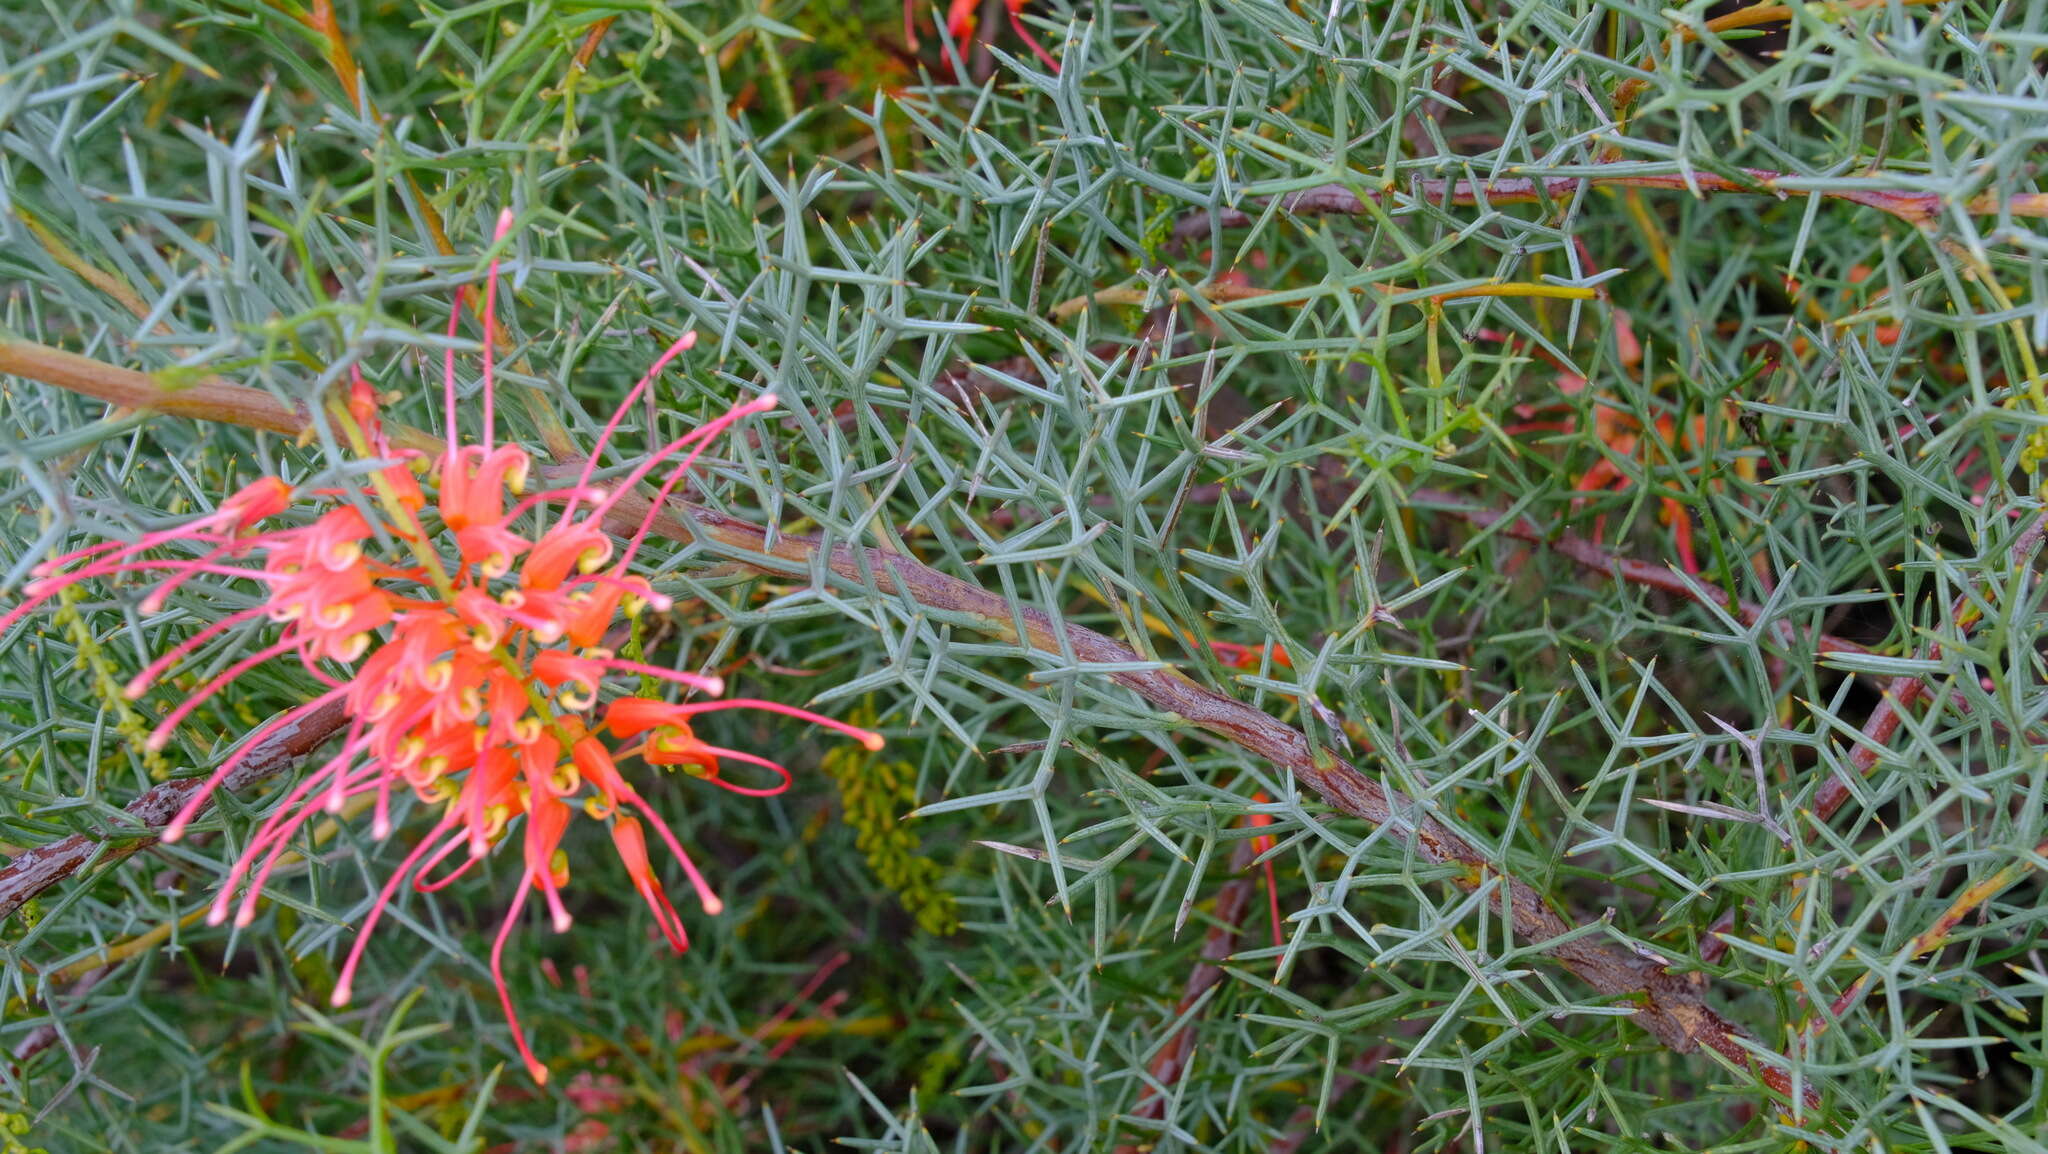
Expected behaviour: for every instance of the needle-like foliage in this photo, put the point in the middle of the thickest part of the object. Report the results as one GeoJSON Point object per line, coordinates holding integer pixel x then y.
{"type": "Point", "coordinates": [1437, 575]}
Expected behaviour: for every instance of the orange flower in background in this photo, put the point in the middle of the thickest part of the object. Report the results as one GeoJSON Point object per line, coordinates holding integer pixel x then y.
{"type": "Point", "coordinates": [471, 662]}
{"type": "Point", "coordinates": [1261, 846]}
{"type": "Point", "coordinates": [963, 15]}
{"type": "Point", "coordinates": [1619, 431]}
{"type": "Point", "coordinates": [1249, 657]}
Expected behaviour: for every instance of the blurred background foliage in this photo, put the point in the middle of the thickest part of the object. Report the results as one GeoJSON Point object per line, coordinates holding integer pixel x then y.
{"type": "Point", "coordinates": [1748, 297]}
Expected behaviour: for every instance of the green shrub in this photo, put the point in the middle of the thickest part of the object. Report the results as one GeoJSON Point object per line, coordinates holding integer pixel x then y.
{"type": "Point", "coordinates": [1556, 482]}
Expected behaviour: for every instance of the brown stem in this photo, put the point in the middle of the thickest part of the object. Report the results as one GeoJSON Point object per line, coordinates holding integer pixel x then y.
{"type": "Point", "coordinates": [1915, 208]}
{"type": "Point", "coordinates": [34, 870]}
{"type": "Point", "coordinates": [1593, 557]}
{"type": "Point", "coordinates": [1667, 1006]}
{"type": "Point", "coordinates": [588, 50]}
{"type": "Point", "coordinates": [1773, 13]}
{"type": "Point", "coordinates": [340, 61]}
{"type": "Point", "coordinates": [206, 400]}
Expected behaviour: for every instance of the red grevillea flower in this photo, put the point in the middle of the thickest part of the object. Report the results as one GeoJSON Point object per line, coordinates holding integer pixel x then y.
{"type": "Point", "coordinates": [467, 645]}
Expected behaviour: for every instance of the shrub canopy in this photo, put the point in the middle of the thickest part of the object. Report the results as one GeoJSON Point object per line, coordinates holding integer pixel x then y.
{"type": "Point", "coordinates": [1436, 576]}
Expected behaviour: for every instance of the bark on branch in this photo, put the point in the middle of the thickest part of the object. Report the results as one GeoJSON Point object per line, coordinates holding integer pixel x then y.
{"type": "Point", "coordinates": [1919, 209]}
{"type": "Point", "coordinates": [34, 870]}
{"type": "Point", "coordinates": [1667, 1006]}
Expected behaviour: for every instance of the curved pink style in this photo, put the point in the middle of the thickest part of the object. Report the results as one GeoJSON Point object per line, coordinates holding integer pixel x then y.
{"type": "Point", "coordinates": [473, 662]}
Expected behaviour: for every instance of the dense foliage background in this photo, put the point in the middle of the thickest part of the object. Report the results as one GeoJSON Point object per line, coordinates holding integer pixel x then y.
{"type": "Point", "coordinates": [1654, 400]}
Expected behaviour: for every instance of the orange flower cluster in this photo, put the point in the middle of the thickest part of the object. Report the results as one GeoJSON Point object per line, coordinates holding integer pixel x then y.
{"type": "Point", "coordinates": [471, 661]}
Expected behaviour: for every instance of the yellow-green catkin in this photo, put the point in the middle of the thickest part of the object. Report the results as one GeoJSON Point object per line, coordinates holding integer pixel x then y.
{"type": "Point", "coordinates": [12, 1127]}
{"type": "Point", "coordinates": [106, 683]}
{"type": "Point", "coordinates": [874, 794]}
